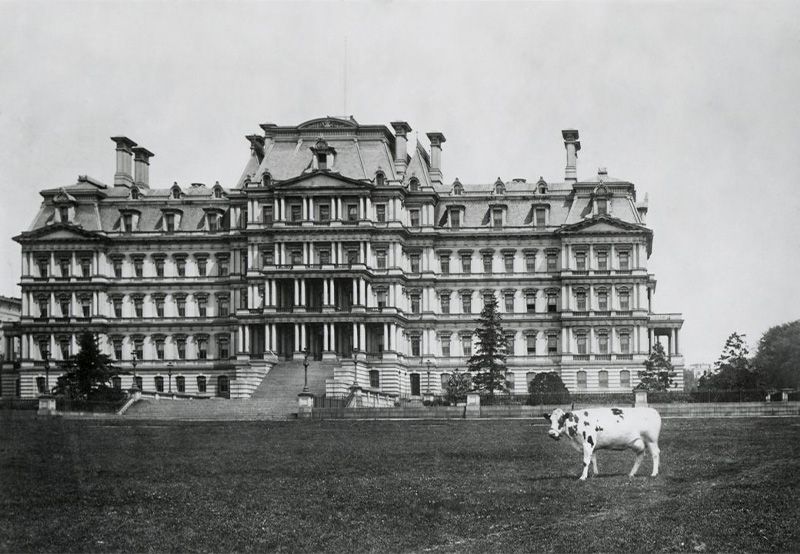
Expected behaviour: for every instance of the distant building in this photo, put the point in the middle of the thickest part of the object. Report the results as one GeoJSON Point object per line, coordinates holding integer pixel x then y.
{"type": "Point", "coordinates": [338, 242]}
{"type": "Point", "coordinates": [10, 310]}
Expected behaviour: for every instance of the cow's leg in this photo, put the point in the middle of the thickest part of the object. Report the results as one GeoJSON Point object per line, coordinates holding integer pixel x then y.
{"type": "Point", "coordinates": [655, 453]}
{"type": "Point", "coordinates": [588, 453]}
{"type": "Point", "coordinates": [638, 448]}
{"type": "Point", "coordinates": [594, 462]}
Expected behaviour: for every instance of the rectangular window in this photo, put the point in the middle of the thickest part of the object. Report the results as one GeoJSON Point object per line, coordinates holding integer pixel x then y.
{"type": "Point", "coordinates": [63, 214]}
{"type": "Point", "coordinates": [625, 378]}
{"type": "Point", "coordinates": [267, 215]}
{"type": "Point", "coordinates": [511, 341]}
{"type": "Point", "coordinates": [324, 256]}
{"type": "Point", "coordinates": [44, 267]}
{"type": "Point", "coordinates": [201, 384]}
{"type": "Point", "coordinates": [202, 306]}
{"type": "Point", "coordinates": [381, 298]}
{"type": "Point", "coordinates": [552, 344]}
{"type": "Point", "coordinates": [202, 267]}
{"type": "Point", "coordinates": [268, 258]}
{"type": "Point", "coordinates": [138, 307]}
{"type": "Point", "coordinates": [530, 303]}
{"type": "Point", "coordinates": [352, 257]}
{"type": "Point", "coordinates": [414, 259]}
{"type": "Point", "coordinates": [64, 304]}
{"type": "Point", "coordinates": [380, 212]}
{"type": "Point", "coordinates": [445, 345]}
{"type": "Point", "coordinates": [181, 304]}
{"type": "Point", "coordinates": [415, 340]}
{"type": "Point", "coordinates": [63, 265]}
{"type": "Point", "coordinates": [580, 261]}
{"type": "Point", "coordinates": [602, 206]}
{"type": "Point", "coordinates": [414, 217]}
{"type": "Point", "coordinates": [169, 222]}
{"type": "Point", "coordinates": [222, 267]}
{"type": "Point", "coordinates": [445, 263]}
{"type": "Point", "coordinates": [296, 212]}
{"type": "Point", "coordinates": [160, 349]}
{"type": "Point", "coordinates": [117, 263]}
{"type": "Point", "coordinates": [466, 345]}
{"type": "Point", "coordinates": [296, 257]}
{"type": "Point", "coordinates": [180, 383]}
{"type": "Point", "coordinates": [117, 349]}
{"type": "Point", "coordinates": [213, 222]}
{"type": "Point", "coordinates": [86, 306]}
{"type": "Point", "coordinates": [138, 349]}
{"type": "Point", "coordinates": [497, 219]}
{"type": "Point", "coordinates": [541, 217]}
{"type": "Point", "coordinates": [159, 262]}
{"type": "Point", "coordinates": [508, 262]}
{"type": "Point", "coordinates": [466, 303]}
{"type": "Point", "coordinates": [487, 298]}
{"type": "Point", "coordinates": [581, 379]}
{"type": "Point", "coordinates": [180, 266]}
{"type": "Point", "coordinates": [414, 304]}
{"type": "Point", "coordinates": [64, 347]}
{"type": "Point", "coordinates": [44, 304]}
{"type": "Point", "coordinates": [380, 259]}
{"type": "Point", "coordinates": [159, 307]}
{"type": "Point", "coordinates": [625, 343]}
{"type": "Point", "coordinates": [530, 263]}
{"type": "Point", "coordinates": [580, 301]}
{"type": "Point", "coordinates": [324, 212]}
{"type": "Point", "coordinates": [127, 223]}
{"type": "Point", "coordinates": [624, 261]}
{"type": "Point", "coordinates": [602, 261]}
{"type": "Point", "coordinates": [86, 268]}
{"type": "Point", "coordinates": [181, 345]}
{"type": "Point", "coordinates": [374, 379]}
{"type": "Point", "coordinates": [455, 219]}
{"type": "Point", "coordinates": [509, 302]}
{"type": "Point", "coordinates": [581, 340]}
{"type": "Point", "coordinates": [138, 267]}
{"type": "Point", "coordinates": [159, 381]}
{"type": "Point", "coordinates": [552, 262]}
{"type": "Point", "coordinates": [445, 303]}
{"type": "Point", "coordinates": [602, 301]}
{"type": "Point", "coordinates": [202, 349]}
{"type": "Point", "coordinates": [222, 348]}
{"type": "Point", "coordinates": [602, 344]}
{"type": "Point", "coordinates": [487, 263]}
{"type": "Point", "coordinates": [552, 304]}
{"type": "Point", "coordinates": [466, 264]}
{"type": "Point", "coordinates": [352, 212]}
{"type": "Point", "coordinates": [222, 306]}
{"type": "Point", "coordinates": [530, 344]}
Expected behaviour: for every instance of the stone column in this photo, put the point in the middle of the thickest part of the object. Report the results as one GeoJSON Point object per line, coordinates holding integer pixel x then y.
{"type": "Point", "coordinates": [362, 337]}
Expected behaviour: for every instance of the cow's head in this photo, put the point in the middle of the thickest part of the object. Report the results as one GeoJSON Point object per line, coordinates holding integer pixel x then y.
{"type": "Point", "coordinates": [561, 422]}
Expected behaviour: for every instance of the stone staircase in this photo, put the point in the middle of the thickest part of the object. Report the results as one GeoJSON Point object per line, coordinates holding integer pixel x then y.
{"type": "Point", "coordinates": [274, 398]}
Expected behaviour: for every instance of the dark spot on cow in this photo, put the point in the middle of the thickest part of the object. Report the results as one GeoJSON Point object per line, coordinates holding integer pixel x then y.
{"type": "Point", "coordinates": [585, 464]}
{"type": "Point", "coordinates": [617, 411]}
{"type": "Point", "coordinates": [586, 414]}
{"type": "Point", "coordinates": [574, 418]}
{"type": "Point", "coordinates": [561, 420]}
{"type": "Point", "coordinates": [584, 434]}
{"type": "Point", "coordinates": [590, 440]}
{"type": "Point", "coordinates": [586, 423]}
{"type": "Point", "coordinates": [572, 431]}
{"type": "Point", "coordinates": [598, 428]}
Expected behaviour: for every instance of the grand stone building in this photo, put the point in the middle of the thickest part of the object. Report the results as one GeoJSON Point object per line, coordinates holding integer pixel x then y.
{"type": "Point", "coordinates": [343, 241]}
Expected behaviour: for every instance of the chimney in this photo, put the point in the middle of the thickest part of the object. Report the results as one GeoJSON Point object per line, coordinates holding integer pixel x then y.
{"type": "Point", "coordinates": [401, 129]}
{"type": "Point", "coordinates": [436, 139]}
{"type": "Point", "coordinates": [141, 166]}
{"type": "Point", "coordinates": [572, 144]}
{"type": "Point", "coordinates": [123, 177]}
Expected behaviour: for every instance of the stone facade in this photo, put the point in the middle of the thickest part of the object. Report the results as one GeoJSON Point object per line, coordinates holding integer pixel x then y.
{"type": "Point", "coordinates": [342, 241]}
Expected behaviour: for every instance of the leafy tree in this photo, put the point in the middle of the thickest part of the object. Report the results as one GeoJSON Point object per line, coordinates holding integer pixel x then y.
{"type": "Point", "coordinates": [88, 373]}
{"type": "Point", "coordinates": [546, 387]}
{"type": "Point", "coordinates": [457, 387]}
{"type": "Point", "coordinates": [489, 361]}
{"type": "Point", "coordinates": [778, 357]}
{"type": "Point", "coordinates": [658, 373]}
{"type": "Point", "coordinates": [733, 369]}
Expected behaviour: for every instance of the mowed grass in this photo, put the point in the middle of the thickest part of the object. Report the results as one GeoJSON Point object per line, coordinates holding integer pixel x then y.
{"type": "Point", "coordinates": [336, 486]}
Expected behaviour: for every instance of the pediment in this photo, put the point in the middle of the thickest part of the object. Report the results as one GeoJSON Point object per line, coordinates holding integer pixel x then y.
{"type": "Point", "coordinates": [60, 232]}
{"type": "Point", "coordinates": [603, 224]}
{"type": "Point", "coordinates": [322, 180]}
{"type": "Point", "coordinates": [327, 123]}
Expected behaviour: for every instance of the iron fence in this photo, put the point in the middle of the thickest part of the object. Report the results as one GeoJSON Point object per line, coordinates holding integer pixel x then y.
{"type": "Point", "coordinates": [94, 406]}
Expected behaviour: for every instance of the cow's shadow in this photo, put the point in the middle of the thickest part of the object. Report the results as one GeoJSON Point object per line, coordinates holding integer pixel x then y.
{"type": "Point", "coordinates": [574, 477]}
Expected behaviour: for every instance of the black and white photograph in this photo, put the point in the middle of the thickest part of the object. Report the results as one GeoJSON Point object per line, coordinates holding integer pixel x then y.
{"type": "Point", "coordinates": [399, 276]}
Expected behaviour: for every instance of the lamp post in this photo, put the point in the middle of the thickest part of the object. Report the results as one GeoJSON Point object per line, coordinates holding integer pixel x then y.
{"type": "Point", "coordinates": [355, 369]}
{"type": "Point", "coordinates": [133, 363]}
{"type": "Point", "coordinates": [169, 376]}
{"type": "Point", "coordinates": [429, 376]}
{"type": "Point", "coordinates": [305, 371]}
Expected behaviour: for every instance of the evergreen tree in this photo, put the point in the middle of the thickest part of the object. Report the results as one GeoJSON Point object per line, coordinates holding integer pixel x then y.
{"type": "Point", "coordinates": [733, 369]}
{"type": "Point", "coordinates": [88, 373]}
{"type": "Point", "coordinates": [658, 373]}
{"type": "Point", "coordinates": [778, 358]}
{"type": "Point", "coordinates": [489, 361]}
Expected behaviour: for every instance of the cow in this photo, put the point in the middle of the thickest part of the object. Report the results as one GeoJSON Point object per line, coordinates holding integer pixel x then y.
{"type": "Point", "coordinates": [611, 429]}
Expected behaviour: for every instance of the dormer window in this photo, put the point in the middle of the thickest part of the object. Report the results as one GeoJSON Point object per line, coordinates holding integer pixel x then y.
{"type": "Point", "coordinates": [380, 179]}
{"type": "Point", "coordinates": [499, 187]}
{"type": "Point", "coordinates": [497, 218]}
{"type": "Point", "coordinates": [322, 161]}
{"type": "Point", "coordinates": [541, 186]}
{"type": "Point", "coordinates": [266, 179]}
{"type": "Point", "coordinates": [175, 192]}
{"type": "Point", "coordinates": [217, 190]}
{"type": "Point", "coordinates": [458, 188]}
{"type": "Point", "coordinates": [169, 223]}
{"type": "Point", "coordinates": [213, 222]}
{"type": "Point", "coordinates": [602, 206]}
{"type": "Point", "coordinates": [455, 219]}
{"type": "Point", "coordinates": [321, 150]}
{"type": "Point", "coordinates": [413, 184]}
{"type": "Point", "coordinates": [135, 193]}
{"type": "Point", "coordinates": [63, 214]}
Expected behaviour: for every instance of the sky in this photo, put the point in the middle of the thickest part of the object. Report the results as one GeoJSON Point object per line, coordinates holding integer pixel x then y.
{"type": "Point", "coordinates": [695, 103]}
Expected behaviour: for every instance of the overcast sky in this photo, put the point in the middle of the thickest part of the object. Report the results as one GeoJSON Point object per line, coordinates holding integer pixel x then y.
{"type": "Point", "coordinates": [697, 104]}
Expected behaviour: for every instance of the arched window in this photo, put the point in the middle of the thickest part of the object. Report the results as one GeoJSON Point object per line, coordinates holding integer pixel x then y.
{"type": "Point", "coordinates": [458, 188]}
{"type": "Point", "coordinates": [499, 186]}
{"type": "Point", "coordinates": [176, 191]}
{"type": "Point", "coordinates": [266, 179]}
{"type": "Point", "coordinates": [135, 193]}
{"type": "Point", "coordinates": [413, 184]}
{"type": "Point", "coordinates": [380, 178]}
{"type": "Point", "coordinates": [217, 190]}
{"type": "Point", "coordinates": [223, 386]}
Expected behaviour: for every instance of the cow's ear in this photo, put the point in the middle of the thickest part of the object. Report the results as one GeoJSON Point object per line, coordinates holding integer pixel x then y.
{"type": "Point", "coordinates": [546, 416]}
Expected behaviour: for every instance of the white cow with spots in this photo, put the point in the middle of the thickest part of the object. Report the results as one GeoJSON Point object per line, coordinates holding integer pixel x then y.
{"type": "Point", "coordinates": [608, 428]}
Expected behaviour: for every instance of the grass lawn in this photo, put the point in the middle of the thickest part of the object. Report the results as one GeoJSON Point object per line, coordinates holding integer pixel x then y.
{"type": "Point", "coordinates": [726, 485]}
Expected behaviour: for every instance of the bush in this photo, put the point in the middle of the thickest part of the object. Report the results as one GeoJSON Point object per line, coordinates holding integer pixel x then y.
{"type": "Point", "coordinates": [547, 388]}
